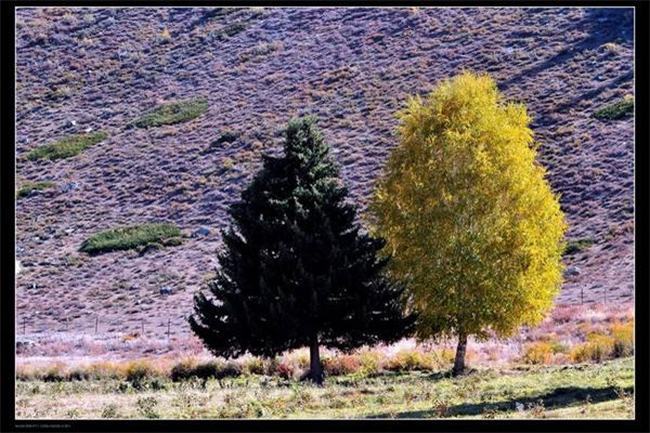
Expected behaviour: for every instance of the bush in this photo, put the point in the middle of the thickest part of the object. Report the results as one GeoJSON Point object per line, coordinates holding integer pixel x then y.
{"type": "Point", "coordinates": [254, 366]}
{"type": "Point", "coordinates": [537, 353]}
{"type": "Point", "coordinates": [67, 147]}
{"type": "Point", "coordinates": [301, 358]}
{"type": "Point", "coordinates": [28, 187]}
{"type": "Point", "coordinates": [578, 245]}
{"type": "Point", "coordinates": [110, 411]}
{"type": "Point", "coordinates": [285, 370]}
{"type": "Point", "coordinates": [447, 355]}
{"type": "Point", "coordinates": [230, 369]}
{"type": "Point", "coordinates": [623, 335]}
{"type": "Point", "coordinates": [137, 372]}
{"type": "Point", "coordinates": [182, 371]}
{"type": "Point", "coordinates": [370, 363]}
{"type": "Point", "coordinates": [54, 374]}
{"type": "Point", "coordinates": [173, 112]}
{"type": "Point", "coordinates": [558, 347]}
{"type": "Point", "coordinates": [341, 365]}
{"type": "Point", "coordinates": [617, 110]}
{"type": "Point", "coordinates": [125, 238]}
{"type": "Point", "coordinates": [225, 137]}
{"type": "Point", "coordinates": [270, 366]}
{"type": "Point", "coordinates": [408, 360]}
{"type": "Point", "coordinates": [186, 370]}
{"type": "Point", "coordinates": [78, 374]}
{"type": "Point", "coordinates": [25, 373]}
{"type": "Point", "coordinates": [105, 370]}
{"type": "Point", "coordinates": [597, 348]}
{"type": "Point", "coordinates": [147, 407]}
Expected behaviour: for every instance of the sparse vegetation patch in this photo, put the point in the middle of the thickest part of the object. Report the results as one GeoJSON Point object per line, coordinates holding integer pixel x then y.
{"type": "Point", "coordinates": [125, 238]}
{"type": "Point", "coordinates": [617, 110]}
{"type": "Point", "coordinates": [29, 187]}
{"type": "Point", "coordinates": [577, 246]}
{"type": "Point", "coordinates": [173, 112]}
{"type": "Point", "coordinates": [259, 51]}
{"type": "Point", "coordinates": [232, 29]}
{"type": "Point", "coordinates": [67, 147]}
{"type": "Point", "coordinates": [225, 137]}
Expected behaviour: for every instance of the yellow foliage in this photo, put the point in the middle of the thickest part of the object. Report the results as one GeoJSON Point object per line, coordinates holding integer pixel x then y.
{"type": "Point", "coordinates": [406, 360]}
{"type": "Point", "coordinates": [623, 335]}
{"type": "Point", "coordinates": [370, 362]}
{"type": "Point", "coordinates": [447, 355]}
{"type": "Point", "coordinates": [597, 348]}
{"type": "Point", "coordinates": [539, 352]}
{"type": "Point", "coordinates": [467, 212]}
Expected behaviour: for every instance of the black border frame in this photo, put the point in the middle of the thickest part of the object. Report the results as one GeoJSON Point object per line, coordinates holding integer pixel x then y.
{"type": "Point", "coordinates": [8, 423]}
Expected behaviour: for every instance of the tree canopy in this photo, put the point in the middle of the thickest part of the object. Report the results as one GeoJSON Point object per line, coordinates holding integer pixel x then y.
{"type": "Point", "coordinates": [469, 217]}
{"type": "Point", "coordinates": [297, 269]}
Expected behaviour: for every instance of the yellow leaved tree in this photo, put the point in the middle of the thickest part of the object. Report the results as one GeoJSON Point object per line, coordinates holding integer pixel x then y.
{"type": "Point", "coordinates": [469, 218]}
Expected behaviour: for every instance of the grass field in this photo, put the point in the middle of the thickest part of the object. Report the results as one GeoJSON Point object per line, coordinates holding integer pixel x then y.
{"type": "Point", "coordinates": [601, 390]}
{"type": "Point", "coordinates": [67, 147]}
{"type": "Point", "coordinates": [125, 238]}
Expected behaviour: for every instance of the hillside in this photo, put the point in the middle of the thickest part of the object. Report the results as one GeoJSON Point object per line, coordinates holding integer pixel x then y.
{"type": "Point", "coordinates": [87, 70]}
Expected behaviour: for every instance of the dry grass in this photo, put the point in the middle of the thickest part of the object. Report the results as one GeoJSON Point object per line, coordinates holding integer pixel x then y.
{"type": "Point", "coordinates": [486, 393]}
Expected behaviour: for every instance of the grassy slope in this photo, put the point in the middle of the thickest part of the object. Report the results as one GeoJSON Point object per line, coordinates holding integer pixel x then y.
{"type": "Point", "coordinates": [588, 391]}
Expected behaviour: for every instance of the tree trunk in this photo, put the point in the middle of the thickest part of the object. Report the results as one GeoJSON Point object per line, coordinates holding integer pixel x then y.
{"type": "Point", "coordinates": [459, 363]}
{"type": "Point", "coordinates": [315, 368]}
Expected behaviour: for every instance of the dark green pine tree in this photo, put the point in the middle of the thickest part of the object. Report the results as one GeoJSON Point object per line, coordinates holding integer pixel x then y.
{"type": "Point", "coordinates": [297, 269]}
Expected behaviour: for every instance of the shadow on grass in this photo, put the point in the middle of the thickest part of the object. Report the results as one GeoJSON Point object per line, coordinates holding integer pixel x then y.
{"type": "Point", "coordinates": [560, 397]}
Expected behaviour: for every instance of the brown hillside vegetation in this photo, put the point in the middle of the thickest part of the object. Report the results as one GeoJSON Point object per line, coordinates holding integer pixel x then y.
{"type": "Point", "coordinates": [81, 71]}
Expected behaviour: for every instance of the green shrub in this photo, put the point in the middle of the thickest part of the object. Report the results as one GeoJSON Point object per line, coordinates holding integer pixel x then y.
{"type": "Point", "coordinates": [28, 187]}
{"type": "Point", "coordinates": [225, 137]}
{"type": "Point", "coordinates": [147, 407]}
{"type": "Point", "coordinates": [254, 366]}
{"type": "Point", "coordinates": [578, 245]}
{"type": "Point", "coordinates": [617, 110]}
{"type": "Point", "coordinates": [173, 112]}
{"type": "Point", "coordinates": [110, 411]}
{"type": "Point", "coordinates": [186, 370]}
{"type": "Point", "coordinates": [130, 237]}
{"type": "Point", "coordinates": [67, 147]}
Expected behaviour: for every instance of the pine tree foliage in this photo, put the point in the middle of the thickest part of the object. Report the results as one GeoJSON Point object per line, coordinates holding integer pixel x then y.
{"type": "Point", "coordinates": [468, 215]}
{"type": "Point", "coordinates": [297, 269]}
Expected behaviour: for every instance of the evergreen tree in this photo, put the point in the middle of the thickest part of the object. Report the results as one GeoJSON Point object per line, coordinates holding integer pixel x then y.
{"type": "Point", "coordinates": [297, 269]}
